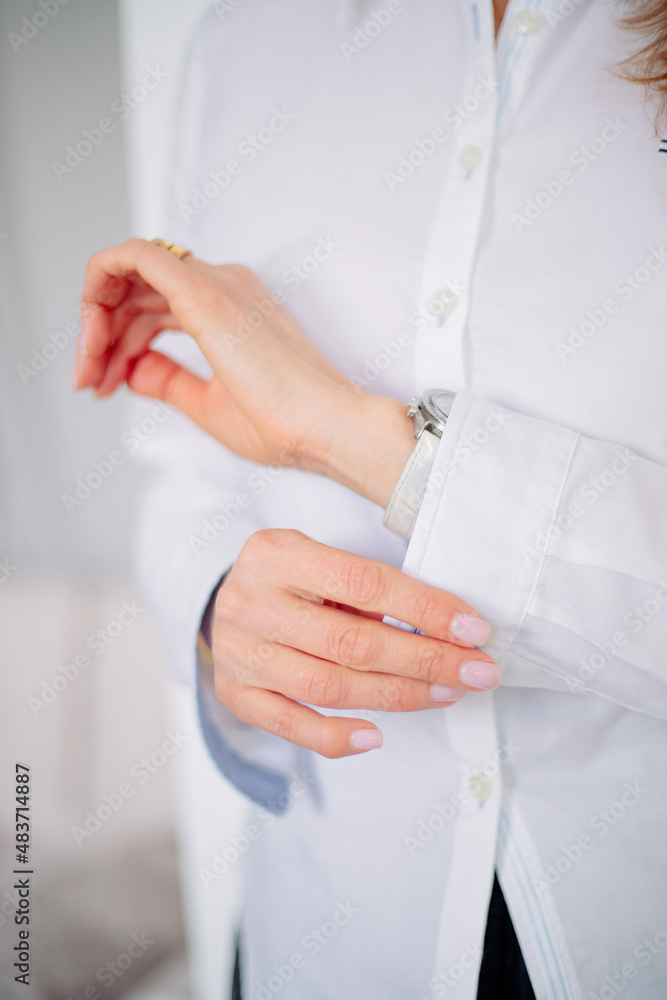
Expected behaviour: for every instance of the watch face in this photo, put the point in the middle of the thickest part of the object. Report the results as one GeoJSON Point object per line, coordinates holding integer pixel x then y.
{"type": "Point", "coordinates": [438, 403]}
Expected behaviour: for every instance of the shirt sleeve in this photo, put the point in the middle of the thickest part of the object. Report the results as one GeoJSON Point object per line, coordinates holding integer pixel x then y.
{"type": "Point", "coordinates": [192, 525]}
{"type": "Point", "coordinates": [560, 542]}
{"type": "Point", "coordinates": [190, 530]}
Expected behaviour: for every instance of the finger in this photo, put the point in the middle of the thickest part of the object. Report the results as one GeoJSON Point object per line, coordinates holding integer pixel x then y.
{"type": "Point", "coordinates": [89, 371]}
{"type": "Point", "coordinates": [295, 561]}
{"type": "Point", "coordinates": [289, 671]}
{"type": "Point", "coordinates": [205, 403]}
{"type": "Point", "coordinates": [331, 736]}
{"type": "Point", "coordinates": [156, 375]}
{"type": "Point", "coordinates": [364, 644]}
{"type": "Point", "coordinates": [130, 345]}
{"type": "Point", "coordinates": [111, 274]}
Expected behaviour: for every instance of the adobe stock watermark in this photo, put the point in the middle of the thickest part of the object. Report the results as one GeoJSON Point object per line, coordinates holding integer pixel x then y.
{"type": "Point", "coordinates": [366, 33]}
{"type": "Point", "coordinates": [392, 349]}
{"type": "Point", "coordinates": [633, 622]}
{"type": "Point", "coordinates": [554, 188]}
{"type": "Point", "coordinates": [301, 271]}
{"type": "Point", "coordinates": [50, 349]}
{"type": "Point", "coordinates": [228, 512]}
{"type": "Point", "coordinates": [224, 8]}
{"type": "Point", "coordinates": [624, 288]}
{"type": "Point", "coordinates": [444, 812]}
{"type": "Point", "coordinates": [588, 494]}
{"type": "Point", "coordinates": [468, 444]}
{"type": "Point", "coordinates": [425, 147]}
{"type": "Point", "coordinates": [31, 26]}
{"type": "Point", "coordinates": [238, 844]}
{"type": "Point", "coordinates": [247, 151]}
{"type": "Point", "coordinates": [311, 944]}
{"type": "Point", "coordinates": [600, 823]}
{"type": "Point", "coordinates": [644, 953]}
{"type": "Point", "coordinates": [98, 642]}
{"type": "Point", "coordinates": [109, 973]}
{"type": "Point", "coordinates": [9, 904]}
{"type": "Point", "coordinates": [446, 979]}
{"type": "Point", "coordinates": [7, 569]}
{"type": "Point", "coordinates": [293, 277]}
{"type": "Point", "coordinates": [121, 108]}
{"type": "Point", "coordinates": [140, 773]}
{"type": "Point", "coordinates": [131, 440]}
{"type": "Point", "coordinates": [564, 10]}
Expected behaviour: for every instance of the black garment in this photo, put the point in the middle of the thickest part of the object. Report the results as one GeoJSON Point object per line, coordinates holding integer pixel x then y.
{"type": "Point", "coordinates": [236, 982]}
{"type": "Point", "coordinates": [503, 974]}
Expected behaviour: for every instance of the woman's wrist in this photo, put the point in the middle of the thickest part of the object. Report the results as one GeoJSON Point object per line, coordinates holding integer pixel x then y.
{"type": "Point", "coordinates": [366, 444]}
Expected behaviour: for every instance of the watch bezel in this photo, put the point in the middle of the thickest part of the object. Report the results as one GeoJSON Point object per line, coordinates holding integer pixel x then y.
{"type": "Point", "coordinates": [427, 415]}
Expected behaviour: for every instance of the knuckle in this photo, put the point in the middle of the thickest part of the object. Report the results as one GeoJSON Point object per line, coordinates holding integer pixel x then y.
{"type": "Point", "coordinates": [398, 695]}
{"type": "Point", "coordinates": [137, 245]}
{"type": "Point", "coordinates": [324, 688]}
{"type": "Point", "coordinates": [286, 726]}
{"type": "Point", "coordinates": [328, 740]}
{"type": "Point", "coordinates": [268, 545]}
{"type": "Point", "coordinates": [422, 607]}
{"type": "Point", "coordinates": [364, 581]}
{"type": "Point", "coordinates": [260, 543]}
{"type": "Point", "coordinates": [429, 665]}
{"type": "Point", "coordinates": [230, 602]}
{"type": "Point", "coordinates": [239, 272]}
{"type": "Point", "coordinates": [349, 643]}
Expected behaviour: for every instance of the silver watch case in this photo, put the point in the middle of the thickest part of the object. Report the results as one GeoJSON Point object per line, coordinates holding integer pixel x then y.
{"type": "Point", "coordinates": [430, 412]}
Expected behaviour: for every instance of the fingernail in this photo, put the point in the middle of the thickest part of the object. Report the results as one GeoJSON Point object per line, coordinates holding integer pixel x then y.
{"type": "Point", "coordinates": [82, 345]}
{"type": "Point", "coordinates": [480, 674]}
{"type": "Point", "coordinates": [441, 693]}
{"type": "Point", "coordinates": [77, 374]}
{"type": "Point", "coordinates": [470, 628]}
{"type": "Point", "coordinates": [366, 739]}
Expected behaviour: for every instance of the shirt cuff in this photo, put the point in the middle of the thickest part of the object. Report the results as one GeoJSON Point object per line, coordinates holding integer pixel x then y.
{"type": "Point", "coordinates": [494, 485]}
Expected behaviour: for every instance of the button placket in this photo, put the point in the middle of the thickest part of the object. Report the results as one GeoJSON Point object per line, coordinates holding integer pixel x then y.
{"type": "Point", "coordinates": [527, 21]}
{"type": "Point", "coordinates": [523, 29]}
{"type": "Point", "coordinates": [450, 255]}
{"type": "Point", "coordinates": [472, 736]}
{"type": "Point", "coordinates": [479, 786]}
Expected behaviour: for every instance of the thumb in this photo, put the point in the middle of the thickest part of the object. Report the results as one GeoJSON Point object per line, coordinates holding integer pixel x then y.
{"type": "Point", "coordinates": [154, 374]}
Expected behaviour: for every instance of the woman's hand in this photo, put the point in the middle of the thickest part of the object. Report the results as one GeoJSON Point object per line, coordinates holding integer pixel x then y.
{"type": "Point", "coordinates": [274, 398]}
{"type": "Point", "coordinates": [295, 621]}
{"type": "Point", "coordinates": [298, 621]}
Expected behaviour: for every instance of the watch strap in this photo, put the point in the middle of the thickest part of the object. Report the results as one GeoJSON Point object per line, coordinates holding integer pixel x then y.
{"type": "Point", "coordinates": [405, 501]}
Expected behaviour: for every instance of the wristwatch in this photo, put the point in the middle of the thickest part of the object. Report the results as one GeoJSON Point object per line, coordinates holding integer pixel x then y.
{"type": "Point", "coordinates": [429, 417]}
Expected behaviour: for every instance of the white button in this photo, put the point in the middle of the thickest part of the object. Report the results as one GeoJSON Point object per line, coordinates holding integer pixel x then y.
{"type": "Point", "coordinates": [527, 22]}
{"type": "Point", "coordinates": [480, 787]}
{"type": "Point", "coordinates": [470, 157]}
{"type": "Point", "coordinates": [443, 303]}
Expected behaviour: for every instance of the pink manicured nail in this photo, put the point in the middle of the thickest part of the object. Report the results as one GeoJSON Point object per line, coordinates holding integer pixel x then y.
{"type": "Point", "coordinates": [470, 628]}
{"type": "Point", "coordinates": [366, 739]}
{"type": "Point", "coordinates": [82, 345]}
{"type": "Point", "coordinates": [77, 373]}
{"type": "Point", "coordinates": [441, 693]}
{"type": "Point", "coordinates": [480, 674]}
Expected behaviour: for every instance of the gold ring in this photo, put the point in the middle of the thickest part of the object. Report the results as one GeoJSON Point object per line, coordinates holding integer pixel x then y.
{"type": "Point", "coordinates": [178, 251]}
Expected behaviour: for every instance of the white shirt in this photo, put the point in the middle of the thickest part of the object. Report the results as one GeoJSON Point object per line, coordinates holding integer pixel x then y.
{"type": "Point", "coordinates": [444, 213]}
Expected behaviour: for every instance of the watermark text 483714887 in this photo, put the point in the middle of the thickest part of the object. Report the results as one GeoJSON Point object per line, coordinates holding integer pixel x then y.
{"type": "Point", "coordinates": [23, 873]}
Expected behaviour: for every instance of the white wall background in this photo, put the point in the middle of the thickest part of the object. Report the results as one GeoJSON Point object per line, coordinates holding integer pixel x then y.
{"type": "Point", "coordinates": [157, 32]}
{"type": "Point", "coordinates": [71, 571]}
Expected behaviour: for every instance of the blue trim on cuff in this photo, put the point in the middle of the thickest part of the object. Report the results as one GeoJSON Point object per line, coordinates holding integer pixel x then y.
{"type": "Point", "coordinates": [269, 789]}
